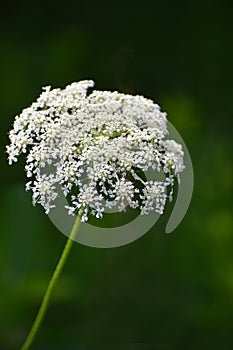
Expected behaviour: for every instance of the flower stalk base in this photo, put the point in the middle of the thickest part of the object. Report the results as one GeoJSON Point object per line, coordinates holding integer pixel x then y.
{"type": "Point", "coordinates": [45, 302]}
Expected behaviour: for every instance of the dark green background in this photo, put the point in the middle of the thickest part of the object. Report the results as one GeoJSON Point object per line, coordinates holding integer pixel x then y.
{"type": "Point", "coordinates": [163, 291]}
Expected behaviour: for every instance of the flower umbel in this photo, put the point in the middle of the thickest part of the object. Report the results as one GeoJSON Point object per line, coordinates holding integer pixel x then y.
{"type": "Point", "coordinates": [96, 147]}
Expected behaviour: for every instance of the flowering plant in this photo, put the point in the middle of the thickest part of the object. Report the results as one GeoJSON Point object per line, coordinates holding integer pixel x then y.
{"type": "Point", "coordinates": [96, 146]}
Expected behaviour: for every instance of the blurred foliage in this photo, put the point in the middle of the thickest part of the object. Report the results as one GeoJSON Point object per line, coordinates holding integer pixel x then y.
{"type": "Point", "coordinates": [163, 291]}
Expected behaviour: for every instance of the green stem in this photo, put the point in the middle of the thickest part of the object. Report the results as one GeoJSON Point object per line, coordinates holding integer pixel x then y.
{"type": "Point", "coordinates": [53, 280]}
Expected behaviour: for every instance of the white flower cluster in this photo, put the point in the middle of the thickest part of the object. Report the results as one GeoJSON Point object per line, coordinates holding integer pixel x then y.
{"type": "Point", "coordinates": [96, 147]}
